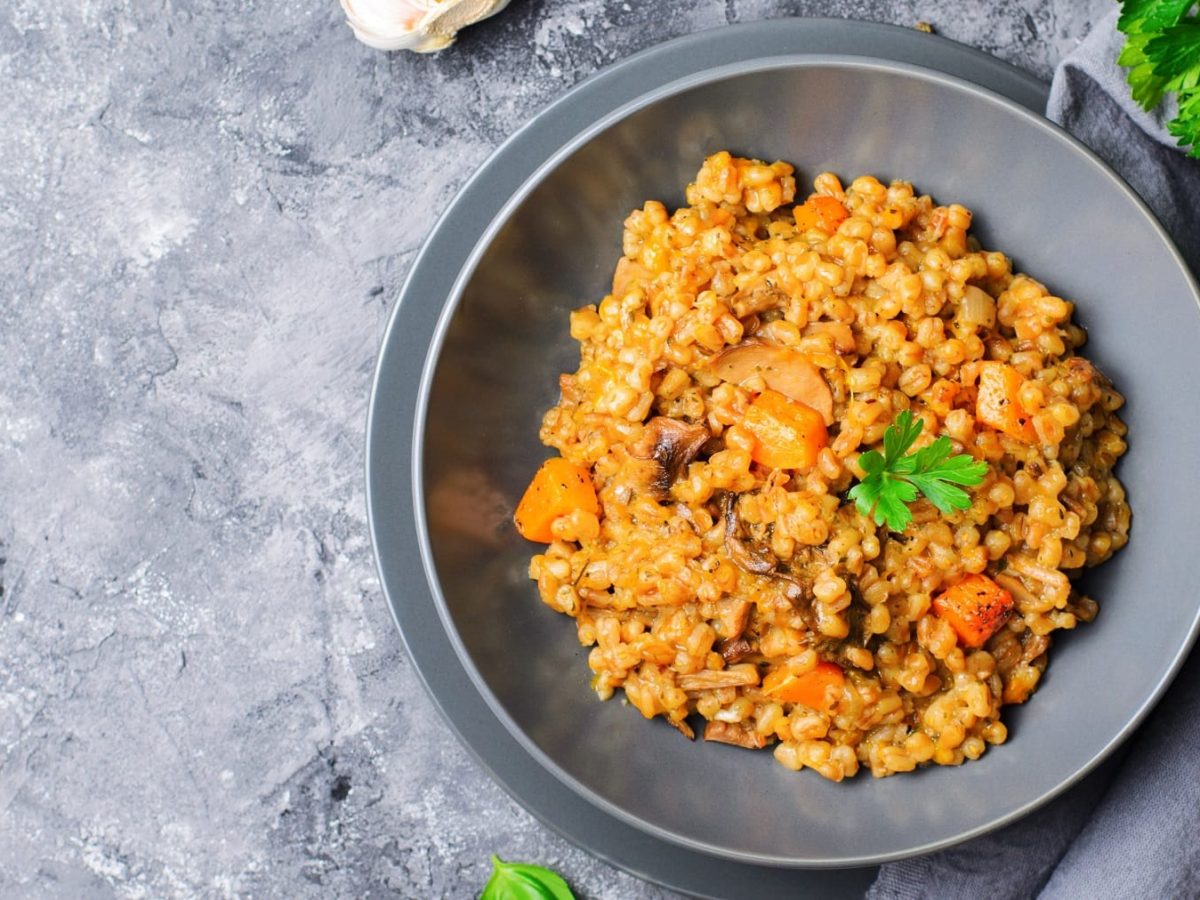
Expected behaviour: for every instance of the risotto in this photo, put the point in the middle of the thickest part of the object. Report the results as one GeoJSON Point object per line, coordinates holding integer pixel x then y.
{"type": "Point", "coordinates": [698, 518]}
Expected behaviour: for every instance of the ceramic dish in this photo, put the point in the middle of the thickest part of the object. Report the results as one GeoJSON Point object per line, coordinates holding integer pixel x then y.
{"type": "Point", "coordinates": [471, 358]}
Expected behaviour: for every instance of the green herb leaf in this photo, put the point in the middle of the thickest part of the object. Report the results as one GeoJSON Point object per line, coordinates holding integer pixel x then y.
{"type": "Point", "coordinates": [900, 436]}
{"type": "Point", "coordinates": [1162, 53]}
{"type": "Point", "coordinates": [872, 462]}
{"type": "Point", "coordinates": [1186, 126]}
{"type": "Point", "coordinates": [1175, 51]}
{"type": "Point", "coordinates": [1151, 15]}
{"type": "Point", "coordinates": [893, 480]}
{"type": "Point", "coordinates": [519, 881]}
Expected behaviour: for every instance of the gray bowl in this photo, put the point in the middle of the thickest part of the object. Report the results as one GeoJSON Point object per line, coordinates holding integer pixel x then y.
{"type": "Point", "coordinates": [492, 369]}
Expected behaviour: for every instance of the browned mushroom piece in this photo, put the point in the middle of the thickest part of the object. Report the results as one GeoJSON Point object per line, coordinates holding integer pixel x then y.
{"type": "Point", "coordinates": [1033, 646]}
{"type": "Point", "coordinates": [732, 733]}
{"type": "Point", "coordinates": [671, 445]}
{"type": "Point", "coordinates": [756, 560]}
{"type": "Point", "coordinates": [734, 650]}
{"type": "Point", "coordinates": [758, 297]}
{"type": "Point", "coordinates": [733, 619]}
{"type": "Point", "coordinates": [1025, 598]}
{"type": "Point", "coordinates": [711, 679]}
{"type": "Point", "coordinates": [781, 369]}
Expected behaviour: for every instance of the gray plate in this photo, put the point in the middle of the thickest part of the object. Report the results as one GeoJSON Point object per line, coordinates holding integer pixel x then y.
{"type": "Point", "coordinates": [470, 360]}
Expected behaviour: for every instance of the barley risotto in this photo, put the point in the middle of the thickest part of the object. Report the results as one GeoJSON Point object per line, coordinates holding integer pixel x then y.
{"type": "Point", "coordinates": [826, 471]}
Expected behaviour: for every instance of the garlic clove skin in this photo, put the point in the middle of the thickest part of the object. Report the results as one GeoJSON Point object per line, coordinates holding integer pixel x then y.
{"type": "Point", "coordinates": [423, 26]}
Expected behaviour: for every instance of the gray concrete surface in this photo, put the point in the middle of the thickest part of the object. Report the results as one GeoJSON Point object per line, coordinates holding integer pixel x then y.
{"type": "Point", "coordinates": [206, 209]}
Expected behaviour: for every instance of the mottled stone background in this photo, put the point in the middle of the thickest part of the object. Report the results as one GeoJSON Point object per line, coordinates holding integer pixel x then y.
{"type": "Point", "coordinates": [206, 209]}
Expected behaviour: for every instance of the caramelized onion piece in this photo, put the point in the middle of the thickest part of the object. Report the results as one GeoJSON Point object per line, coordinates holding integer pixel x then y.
{"type": "Point", "coordinates": [784, 370]}
{"type": "Point", "coordinates": [978, 309]}
{"type": "Point", "coordinates": [731, 733]}
{"type": "Point", "coordinates": [744, 675]}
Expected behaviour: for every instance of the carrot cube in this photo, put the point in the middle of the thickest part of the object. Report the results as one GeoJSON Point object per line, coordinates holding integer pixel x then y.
{"type": "Point", "coordinates": [975, 608]}
{"type": "Point", "coordinates": [558, 488]}
{"type": "Point", "coordinates": [787, 434]}
{"type": "Point", "coordinates": [998, 402]}
{"type": "Point", "coordinates": [817, 688]}
{"type": "Point", "coordinates": [819, 211]}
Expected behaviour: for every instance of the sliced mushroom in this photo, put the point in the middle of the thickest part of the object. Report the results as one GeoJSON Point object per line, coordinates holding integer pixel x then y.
{"type": "Point", "coordinates": [671, 442]}
{"type": "Point", "coordinates": [670, 445]}
{"type": "Point", "coordinates": [744, 675]}
{"type": "Point", "coordinates": [782, 369]}
{"type": "Point", "coordinates": [733, 619]}
{"type": "Point", "coordinates": [636, 477]}
{"type": "Point", "coordinates": [1052, 579]}
{"type": "Point", "coordinates": [1026, 599]}
{"type": "Point", "coordinates": [1033, 646]}
{"type": "Point", "coordinates": [732, 733]}
{"type": "Point", "coordinates": [734, 650]}
{"type": "Point", "coordinates": [758, 297]}
{"type": "Point", "coordinates": [755, 560]}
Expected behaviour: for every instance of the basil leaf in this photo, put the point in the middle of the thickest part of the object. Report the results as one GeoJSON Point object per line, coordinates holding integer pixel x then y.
{"type": "Point", "coordinates": [520, 881]}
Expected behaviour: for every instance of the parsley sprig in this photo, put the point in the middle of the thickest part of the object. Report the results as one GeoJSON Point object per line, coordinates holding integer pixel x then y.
{"type": "Point", "coordinates": [894, 479]}
{"type": "Point", "coordinates": [1162, 53]}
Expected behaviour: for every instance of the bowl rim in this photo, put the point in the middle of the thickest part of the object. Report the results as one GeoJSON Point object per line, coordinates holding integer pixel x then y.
{"type": "Point", "coordinates": [477, 251]}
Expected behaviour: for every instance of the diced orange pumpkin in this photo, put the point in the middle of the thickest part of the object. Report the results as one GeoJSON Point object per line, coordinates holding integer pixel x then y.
{"type": "Point", "coordinates": [787, 435]}
{"type": "Point", "coordinates": [975, 608]}
{"type": "Point", "coordinates": [998, 403]}
{"type": "Point", "coordinates": [819, 211]}
{"type": "Point", "coordinates": [558, 488]}
{"type": "Point", "coordinates": [817, 688]}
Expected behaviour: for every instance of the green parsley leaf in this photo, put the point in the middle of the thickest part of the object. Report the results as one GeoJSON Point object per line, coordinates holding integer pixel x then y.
{"type": "Point", "coordinates": [1186, 126]}
{"type": "Point", "coordinates": [893, 479]}
{"type": "Point", "coordinates": [1151, 15]}
{"type": "Point", "coordinates": [1162, 54]}
{"type": "Point", "coordinates": [1175, 52]}
{"type": "Point", "coordinates": [519, 881]}
{"type": "Point", "coordinates": [900, 436]}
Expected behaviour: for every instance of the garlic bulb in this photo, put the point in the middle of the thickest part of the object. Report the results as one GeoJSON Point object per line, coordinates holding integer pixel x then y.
{"type": "Point", "coordinates": [420, 25]}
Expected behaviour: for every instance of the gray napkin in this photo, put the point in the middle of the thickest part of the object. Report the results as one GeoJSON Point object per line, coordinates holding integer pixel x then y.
{"type": "Point", "coordinates": [1090, 98]}
{"type": "Point", "coordinates": [1132, 828]}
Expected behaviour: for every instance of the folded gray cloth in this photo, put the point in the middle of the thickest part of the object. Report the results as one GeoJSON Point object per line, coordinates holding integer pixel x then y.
{"type": "Point", "coordinates": [1090, 98]}
{"type": "Point", "coordinates": [1132, 828]}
